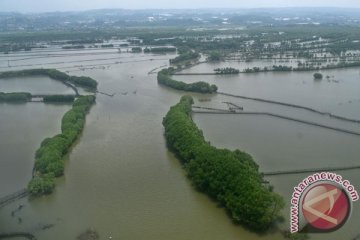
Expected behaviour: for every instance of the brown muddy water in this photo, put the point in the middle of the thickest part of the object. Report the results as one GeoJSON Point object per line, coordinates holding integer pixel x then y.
{"type": "Point", "coordinates": [122, 181]}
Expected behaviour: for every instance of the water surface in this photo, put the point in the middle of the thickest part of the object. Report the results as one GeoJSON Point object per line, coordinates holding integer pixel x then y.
{"type": "Point", "coordinates": [122, 181]}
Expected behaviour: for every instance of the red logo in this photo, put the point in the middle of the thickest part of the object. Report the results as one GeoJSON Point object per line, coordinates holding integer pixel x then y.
{"type": "Point", "coordinates": [326, 207]}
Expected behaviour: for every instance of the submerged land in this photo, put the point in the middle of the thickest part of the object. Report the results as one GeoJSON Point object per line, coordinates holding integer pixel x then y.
{"type": "Point", "coordinates": [268, 84]}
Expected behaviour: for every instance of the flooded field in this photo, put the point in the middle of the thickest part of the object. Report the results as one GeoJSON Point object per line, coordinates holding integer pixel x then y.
{"type": "Point", "coordinates": [34, 85]}
{"type": "Point", "coordinates": [122, 181]}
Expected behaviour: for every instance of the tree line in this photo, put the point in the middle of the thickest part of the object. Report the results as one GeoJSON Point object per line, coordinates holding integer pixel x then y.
{"type": "Point", "coordinates": [159, 49]}
{"type": "Point", "coordinates": [49, 162]}
{"type": "Point", "coordinates": [164, 78]}
{"type": "Point", "coordinates": [227, 70]}
{"type": "Point", "coordinates": [231, 178]}
{"type": "Point", "coordinates": [185, 56]}
{"type": "Point", "coordinates": [82, 81]}
{"type": "Point", "coordinates": [73, 47]}
{"type": "Point", "coordinates": [26, 97]}
{"type": "Point", "coordinates": [15, 97]}
{"type": "Point", "coordinates": [284, 68]}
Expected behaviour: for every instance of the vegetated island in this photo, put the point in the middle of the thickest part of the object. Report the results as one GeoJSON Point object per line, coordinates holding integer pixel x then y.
{"type": "Point", "coordinates": [318, 76]}
{"type": "Point", "coordinates": [164, 78]}
{"type": "Point", "coordinates": [186, 58]}
{"type": "Point", "coordinates": [49, 162]}
{"type": "Point", "coordinates": [15, 97]}
{"type": "Point", "coordinates": [23, 97]}
{"type": "Point", "coordinates": [82, 81]}
{"type": "Point", "coordinates": [229, 177]}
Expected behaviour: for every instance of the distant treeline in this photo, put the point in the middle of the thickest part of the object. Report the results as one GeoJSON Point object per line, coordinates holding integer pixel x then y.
{"type": "Point", "coordinates": [15, 97]}
{"type": "Point", "coordinates": [82, 81]}
{"type": "Point", "coordinates": [227, 70]}
{"type": "Point", "coordinates": [84, 41]}
{"type": "Point", "coordinates": [185, 56]}
{"type": "Point", "coordinates": [284, 68]}
{"type": "Point", "coordinates": [159, 49]}
{"type": "Point", "coordinates": [15, 47]}
{"type": "Point", "coordinates": [73, 47]}
{"type": "Point", "coordinates": [107, 45]}
{"type": "Point", "coordinates": [229, 177]}
{"type": "Point", "coordinates": [164, 78]}
{"type": "Point", "coordinates": [136, 49]}
{"type": "Point", "coordinates": [49, 162]}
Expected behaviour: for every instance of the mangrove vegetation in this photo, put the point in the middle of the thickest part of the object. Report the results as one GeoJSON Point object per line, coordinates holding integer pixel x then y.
{"type": "Point", "coordinates": [185, 57]}
{"type": "Point", "coordinates": [159, 49]}
{"type": "Point", "coordinates": [49, 158]}
{"type": "Point", "coordinates": [82, 81]}
{"type": "Point", "coordinates": [136, 50]}
{"type": "Point", "coordinates": [318, 76]}
{"type": "Point", "coordinates": [227, 70]}
{"type": "Point", "coordinates": [231, 178]}
{"type": "Point", "coordinates": [15, 97]}
{"type": "Point", "coordinates": [164, 78]}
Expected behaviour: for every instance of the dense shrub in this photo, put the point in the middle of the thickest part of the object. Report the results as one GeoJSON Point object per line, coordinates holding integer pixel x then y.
{"type": "Point", "coordinates": [43, 184]}
{"type": "Point", "coordinates": [230, 177]}
{"type": "Point", "coordinates": [214, 56]}
{"type": "Point", "coordinates": [15, 97]}
{"type": "Point", "coordinates": [318, 76]}
{"type": "Point", "coordinates": [49, 157]}
{"type": "Point", "coordinates": [282, 68]}
{"type": "Point", "coordinates": [227, 70]}
{"type": "Point", "coordinates": [73, 47]}
{"type": "Point", "coordinates": [84, 81]}
{"type": "Point", "coordinates": [136, 49]}
{"type": "Point", "coordinates": [164, 78]}
{"type": "Point", "coordinates": [185, 56]}
{"type": "Point", "coordinates": [54, 74]}
{"type": "Point", "coordinates": [107, 45]}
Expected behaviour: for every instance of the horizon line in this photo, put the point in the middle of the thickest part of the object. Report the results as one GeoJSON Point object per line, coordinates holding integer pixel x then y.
{"type": "Point", "coordinates": [177, 9]}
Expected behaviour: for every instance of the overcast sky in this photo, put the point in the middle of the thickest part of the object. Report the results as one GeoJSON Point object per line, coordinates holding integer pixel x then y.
{"type": "Point", "coordinates": [66, 5]}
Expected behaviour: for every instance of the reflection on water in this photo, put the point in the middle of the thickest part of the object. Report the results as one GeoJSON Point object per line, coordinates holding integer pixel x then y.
{"type": "Point", "coordinates": [121, 180]}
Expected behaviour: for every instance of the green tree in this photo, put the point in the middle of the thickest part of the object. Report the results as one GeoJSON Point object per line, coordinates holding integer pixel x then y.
{"type": "Point", "coordinates": [229, 177]}
{"type": "Point", "coordinates": [215, 56]}
{"type": "Point", "coordinates": [318, 76]}
{"type": "Point", "coordinates": [41, 185]}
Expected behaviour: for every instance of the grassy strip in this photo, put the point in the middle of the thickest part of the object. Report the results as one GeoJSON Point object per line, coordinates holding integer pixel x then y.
{"type": "Point", "coordinates": [229, 177]}
{"type": "Point", "coordinates": [15, 97]}
{"type": "Point", "coordinates": [82, 81]}
{"type": "Point", "coordinates": [164, 78]}
{"type": "Point", "coordinates": [49, 161]}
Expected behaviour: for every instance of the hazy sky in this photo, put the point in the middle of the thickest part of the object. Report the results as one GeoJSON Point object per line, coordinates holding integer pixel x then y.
{"type": "Point", "coordinates": [65, 5]}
